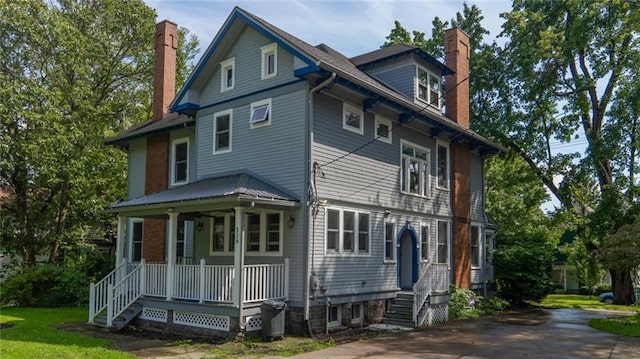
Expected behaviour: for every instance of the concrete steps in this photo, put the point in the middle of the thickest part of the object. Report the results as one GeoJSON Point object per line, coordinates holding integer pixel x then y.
{"type": "Point", "coordinates": [401, 312]}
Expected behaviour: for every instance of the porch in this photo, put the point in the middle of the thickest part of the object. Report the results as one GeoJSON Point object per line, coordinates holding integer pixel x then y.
{"type": "Point", "coordinates": [200, 286]}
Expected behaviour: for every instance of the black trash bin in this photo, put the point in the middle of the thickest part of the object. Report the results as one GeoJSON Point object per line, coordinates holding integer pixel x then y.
{"type": "Point", "coordinates": [272, 312]}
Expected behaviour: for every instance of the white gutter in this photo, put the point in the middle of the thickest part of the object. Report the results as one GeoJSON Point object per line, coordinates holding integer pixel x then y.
{"type": "Point", "coordinates": [309, 270]}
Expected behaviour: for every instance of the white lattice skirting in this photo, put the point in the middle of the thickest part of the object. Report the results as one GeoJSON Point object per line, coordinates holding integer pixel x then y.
{"type": "Point", "coordinates": [437, 314]}
{"type": "Point", "coordinates": [207, 321]}
{"type": "Point", "coordinates": [254, 323]}
{"type": "Point", "coordinates": [154, 314]}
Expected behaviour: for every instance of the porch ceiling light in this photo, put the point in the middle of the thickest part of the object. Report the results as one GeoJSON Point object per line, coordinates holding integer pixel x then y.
{"type": "Point", "coordinates": [291, 222]}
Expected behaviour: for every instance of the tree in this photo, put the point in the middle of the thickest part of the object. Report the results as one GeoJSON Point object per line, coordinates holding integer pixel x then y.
{"type": "Point", "coordinates": [71, 73]}
{"type": "Point", "coordinates": [563, 65]}
{"type": "Point", "coordinates": [621, 252]}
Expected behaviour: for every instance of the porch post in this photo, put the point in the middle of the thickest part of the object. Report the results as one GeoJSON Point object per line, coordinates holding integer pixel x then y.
{"type": "Point", "coordinates": [171, 252]}
{"type": "Point", "coordinates": [121, 232]}
{"type": "Point", "coordinates": [238, 259]}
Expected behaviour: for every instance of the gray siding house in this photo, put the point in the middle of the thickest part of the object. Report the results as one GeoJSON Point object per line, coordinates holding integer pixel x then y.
{"type": "Point", "coordinates": [283, 170]}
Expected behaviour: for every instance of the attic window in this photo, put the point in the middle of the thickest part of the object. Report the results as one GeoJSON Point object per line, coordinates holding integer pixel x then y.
{"type": "Point", "coordinates": [352, 118]}
{"type": "Point", "coordinates": [260, 113]}
{"type": "Point", "coordinates": [429, 89]}
{"type": "Point", "coordinates": [227, 74]}
{"type": "Point", "coordinates": [269, 61]}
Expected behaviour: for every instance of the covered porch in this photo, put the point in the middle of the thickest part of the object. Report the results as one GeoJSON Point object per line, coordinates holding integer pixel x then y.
{"type": "Point", "coordinates": [241, 221]}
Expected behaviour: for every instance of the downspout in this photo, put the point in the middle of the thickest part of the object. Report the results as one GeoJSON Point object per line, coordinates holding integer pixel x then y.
{"type": "Point", "coordinates": [309, 268]}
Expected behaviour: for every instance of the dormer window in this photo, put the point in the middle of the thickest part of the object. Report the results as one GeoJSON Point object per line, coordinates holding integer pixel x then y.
{"type": "Point", "coordinates": [429, 89]}
{"type": "Point", "coordinates": [269, 60]}
{"type": "Point", "coordinates": [227, 74]}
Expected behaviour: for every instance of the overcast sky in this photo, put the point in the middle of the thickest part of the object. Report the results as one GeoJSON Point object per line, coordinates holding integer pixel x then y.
{"type": "Point", "coordinates": [351, 27]}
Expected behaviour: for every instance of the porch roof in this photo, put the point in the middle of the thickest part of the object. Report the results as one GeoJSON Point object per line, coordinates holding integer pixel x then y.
{"type": "Point", "coordinates": [241, 187]}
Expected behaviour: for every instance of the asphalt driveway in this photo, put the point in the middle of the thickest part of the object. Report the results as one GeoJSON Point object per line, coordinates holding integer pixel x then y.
{"type": "Point", "coordinates": [560, 333]}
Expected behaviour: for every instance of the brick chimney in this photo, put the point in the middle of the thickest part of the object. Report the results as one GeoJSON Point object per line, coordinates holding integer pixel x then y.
{"type": "Point", "coordinates": [157, 164]}
{"type": "Point", "coordinates": [164, 77]}
{"type": "Point", "coordinates": [457, 51]}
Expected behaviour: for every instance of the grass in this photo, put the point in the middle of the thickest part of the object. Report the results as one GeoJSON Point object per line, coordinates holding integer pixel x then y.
{"type": "Point", "coordinates": [33, 334]}
{"type": "Point", "coordinates": [253, 346]}
{"type": "Point", "coordinates": [627, 326]}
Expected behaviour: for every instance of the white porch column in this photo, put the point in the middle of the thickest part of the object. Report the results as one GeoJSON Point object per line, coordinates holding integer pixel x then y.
{"type": "Point", "coordinates": [171, 251]}
{"type": "Point", "coordinates": [120, 234]}
{"type": "Point", "coordinates": [238, 259]}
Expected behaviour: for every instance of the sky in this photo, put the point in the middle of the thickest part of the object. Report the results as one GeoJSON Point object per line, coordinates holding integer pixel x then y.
{"type": "Point", "coordinates": [351, 27]}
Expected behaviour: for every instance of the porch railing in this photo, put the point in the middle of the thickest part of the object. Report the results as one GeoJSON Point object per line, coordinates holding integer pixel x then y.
{"type": "Point", "coordinates": [266, 281]}
{"type": "Point", "coordinates": [203, 283]}
{"type": "Point", "coordinates": [440, 277]}
{"type": "Point", "coordinates": [99, 292]}
{"type": "Point", "coordinates": [421, 291]}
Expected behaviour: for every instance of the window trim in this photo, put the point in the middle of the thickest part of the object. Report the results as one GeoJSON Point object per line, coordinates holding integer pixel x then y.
{"type": "Point", "coordinates": [259, 104]}
{"type": "Point", "coordinates": [448, 240]}
{"type": "Point", "coordinates": [360, 313]}
{"type": "Point", "coordinates": [216, 115]}
{"type": "Point", "coordinates": [229, 229]}
{"type": "Point", "coordinates": [338, 321]}
{"type": "Point", "coordinates": [393, 243]}
{"type": "Point", "coordinates": [480, 245]}
{"type": "Point", "coordinates": [428, 101]}
{"type": "Point", "coordinates": [172, 175]}
{"type": "Point", "coordinates": [379, 119]}
{"type": "Point", "coordinates": [440, 143]}
{"type": "Point", "coordinates": [265, 51]}
{"type": "Point", "coordinates": [426, 181]}
{"type": "Point", "coordinates": [133, 222]}
{"type": "Point", "coordinates": [356, 233]}
{"type": "Point", "coordinates": [354, 109]}
{"type": "Point", "coordinates": [425, 228]}
{"type": "Point", "coordinates": [224, 67]}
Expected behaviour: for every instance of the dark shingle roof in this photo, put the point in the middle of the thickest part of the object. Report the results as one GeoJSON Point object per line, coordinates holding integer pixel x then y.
{"type": "Point", "coordinates": [239, 185]}
{"type": "Point", "coordinates": [168, 122]}
{"type": "Point", "coordinates": [394, 51]}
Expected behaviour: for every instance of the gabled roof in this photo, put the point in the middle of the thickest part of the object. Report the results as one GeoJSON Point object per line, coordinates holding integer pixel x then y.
{"type": "Point", "coordinates": [240, 186]}
{"type": "Point", "coordinates": [322, 60]}
{"type": "Point", "coordinates": [169, 122]}
{"type": "Point", "coordinates": [394, 51]}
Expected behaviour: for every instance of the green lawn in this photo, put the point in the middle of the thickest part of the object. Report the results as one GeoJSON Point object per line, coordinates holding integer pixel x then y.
{"type": "Point", "coordinates": [34, 335]}
{"type": "Point", "coordinates": [629, 326]}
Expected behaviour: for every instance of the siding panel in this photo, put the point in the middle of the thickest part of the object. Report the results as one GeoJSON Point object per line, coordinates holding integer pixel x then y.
{"type": "Point", "coordinates": [136, 167]}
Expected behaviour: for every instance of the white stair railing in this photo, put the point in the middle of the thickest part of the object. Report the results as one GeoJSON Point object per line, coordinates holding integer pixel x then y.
{"type": "Point", "coordinates": [421, 291]}
{"type": "Point", "coordinates": [98, 292]}
{"type": "Point", "coordinates": [124, 293]}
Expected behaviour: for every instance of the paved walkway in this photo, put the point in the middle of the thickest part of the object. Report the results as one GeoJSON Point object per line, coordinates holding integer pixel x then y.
{"type": "Point", "coordinates": [560, 333]}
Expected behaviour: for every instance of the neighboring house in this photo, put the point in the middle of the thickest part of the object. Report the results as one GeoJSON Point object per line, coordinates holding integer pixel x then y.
{"type": "Point", "coordinates": [289, 171]}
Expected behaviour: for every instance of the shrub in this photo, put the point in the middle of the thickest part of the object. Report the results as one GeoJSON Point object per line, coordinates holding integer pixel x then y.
{"type": "Point", "coordinates": [491, 305]}
{"type": "Point", "coordinates": [462, 303]}
{"type": "Point", "coordinates": [602, 288]}
{"type": "Point", "coordinates": [46, 285]}
{"type": "Point", "coordinates": [523, 268]}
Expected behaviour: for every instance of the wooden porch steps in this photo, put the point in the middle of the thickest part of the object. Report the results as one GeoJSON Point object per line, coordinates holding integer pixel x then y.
{"type": "Point", "coordinates": [401, 312]}
{"type": "Point", "coordinates": [120, 321]}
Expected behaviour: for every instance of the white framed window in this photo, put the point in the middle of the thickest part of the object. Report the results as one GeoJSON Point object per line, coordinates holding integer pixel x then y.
{"type": "Point", "coordinates": [443, 242]}
{"type": "Point", "coordinates": [428, 87]}
{"type": "Point", "coordinates": [424, 243]}
{"type": "Point", "coordinates": [347, 231]}
{"type": "Point", "coordinates": [414, 176]}
{"type": "Point", "coordinates": [222, 234]}
{"type": "Point", "coordinates": [383, 129]}
{"type": "Point", "coordinates": [222, 131]}
{"type": "Point", "coordinates": [357, 311]}
{"type": "Point", "coordinates": [179, 161]}
{"type": "Point", "coordinates": [136, 234]}
{"type": "Point", "coordinates": [389, 242]}
{"type": "Point", "coordinates": [269, 63]}
{"type": "Point", "coordinates": [475, 247]}
{"type": "Point", "coordinates": [260, 113]}
{"type": "Point", "coordinates": [442, 163]}
{"type": "Point", "coordinates": [227, 74]}
{"type": "Point", "coordinates": [335, 316]}
{"type": "Point", "coordinates": [264, 233]}
{"type": "Point", "coordinates": [352, 118]}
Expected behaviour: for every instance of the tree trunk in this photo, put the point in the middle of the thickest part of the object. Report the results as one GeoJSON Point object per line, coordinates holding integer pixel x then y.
{"type": "Point", "coordinates": [622, 287]}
